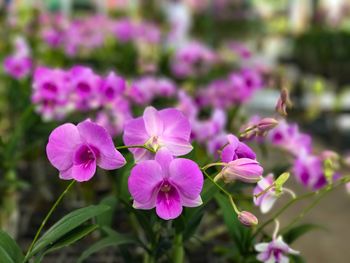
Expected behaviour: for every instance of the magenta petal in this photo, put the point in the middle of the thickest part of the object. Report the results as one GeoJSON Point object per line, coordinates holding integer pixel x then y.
{"type": "Point", "coordinates": [95, 135]}
{"type": "Point", "coordinates": [84, 172]}
{"type": "Point", "coordinates": [187, 177]}
{"type": "Point", "coordinates": [175, 124]}
{"type": "Point", "coordinates": [135, 132]}
{"type": "Point", "coordinates": [66, 175]}
{"type": "Point", "coordinates": [62, 142]}
{"type": "Point", "coordinates": [176, 146]}
{"type": "Point", "coordinates": [164, 158]}
{"type": "Point", "coordinates": [144, 180]}
{"type": "Point", "coordinates": [168, 204]}
{"type": "Point", "coordinates": [191, 202]}
{"type": "Point", "coordinates": [153, 123]}
{"type": "Point", "coordinates": [228, 153]}
{"type": "Point", "coordinates": [141, 154]}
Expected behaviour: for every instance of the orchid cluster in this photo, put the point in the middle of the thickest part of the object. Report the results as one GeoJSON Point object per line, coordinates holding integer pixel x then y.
{"type": "Point", "coordinates": [168, 138]}
{"type": "Point", "coordinates": [82, 35]}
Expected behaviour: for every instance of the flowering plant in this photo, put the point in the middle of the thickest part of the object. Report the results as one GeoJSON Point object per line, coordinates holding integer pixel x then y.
{"type": "Point", "coordinates": [168, 137]}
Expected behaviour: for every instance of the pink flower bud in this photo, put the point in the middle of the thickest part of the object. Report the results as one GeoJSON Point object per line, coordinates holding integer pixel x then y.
{"type": "Point", "coordinates": [283, 102]}
{"type": "Point", "coordinates": [247, 219]}
{"type": "Point", "coordinates": [266, 124]}
{"type": "Point", "coordinates": [243, 169]}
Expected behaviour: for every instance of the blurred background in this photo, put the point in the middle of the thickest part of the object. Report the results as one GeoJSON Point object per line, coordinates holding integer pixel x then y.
{"type": "Point", "coordinates": [301, 44]}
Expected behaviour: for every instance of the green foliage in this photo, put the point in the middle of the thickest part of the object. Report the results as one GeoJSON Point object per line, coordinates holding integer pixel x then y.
{"type": "Point", "coordinates": [9, 250]}
{"type": "Point", "coordinates": [65, 226]}
{"type": "Point", "coordinates": [296, 232]}
{"type": "Point", "coordinates": [112, 238]}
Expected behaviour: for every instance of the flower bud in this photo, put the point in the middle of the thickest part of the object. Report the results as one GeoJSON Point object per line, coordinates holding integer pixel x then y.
{"type": "Point", "coordinates": [243, 169]}
{"type": "Point", "coordinates": [283, 102]}
{"type": "Point", "coordinates": [247, 219]}
{"type": "Point", "coordinates": [266, 124]}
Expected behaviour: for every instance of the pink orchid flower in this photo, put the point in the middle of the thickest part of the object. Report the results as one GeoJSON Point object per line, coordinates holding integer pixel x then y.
{"type": "Point", "coordinates": [274, 252]}
{"type": "Point", "coordinates": [266, 200]}
{"type": "Point", "coordinates": [167, 184]}
{"type": "Point", "coordinates": [167, 128]}
{"type": "Point", "coordinates": [76, 150]}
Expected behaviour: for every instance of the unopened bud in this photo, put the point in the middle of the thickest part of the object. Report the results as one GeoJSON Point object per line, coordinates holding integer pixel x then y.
{"type": "Point", "coordinates": [243, 169]}
{"type": "Point", "coordinates": [266, 124]}
{"type": "Point", "coordinates": [283, 102]}
{"type": "Point", "coordinates": [247, 219]}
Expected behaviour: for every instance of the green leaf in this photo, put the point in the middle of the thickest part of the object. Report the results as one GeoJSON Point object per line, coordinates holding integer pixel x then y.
{"type": "Point", "coordinates": [106, 218]}
{"type": "Point", "coordinates": [239, 233]}
{"type": "Point", "coordinates": [296, 259]}
{"type": "Point", "coordinates": [294, 233]}
{"type": "Point", "coordinates": [280, 181]}
{"type": "Point", "coordinates": [113, 239]}
{"type": "Point", "coordinates": [67, 224]}
{"type": "Point", "coordinates": [9, 249]}
{"type": "Point", "coordinates": [69, 239]}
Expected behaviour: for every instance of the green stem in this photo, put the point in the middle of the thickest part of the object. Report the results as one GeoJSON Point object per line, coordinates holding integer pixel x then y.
{"type": "Point", "coordinates": [313, 204]}
{"type": "Point", "coordinates": [134, 146]}
{"type": "Point", "coordinates": [294, 200]}
{"type": "Point", "coordinates": [279, 212]}
{"type": "Point", "coordinates": [211, 165]}
{"type": "Point", "coordinates": [224, 191]}
{"type": "Point", "coordinates": [46, 219]}
{"type": "Point", "coordinates": [265, 190]}
{"type": "Point", "coordinates": [178, 249]}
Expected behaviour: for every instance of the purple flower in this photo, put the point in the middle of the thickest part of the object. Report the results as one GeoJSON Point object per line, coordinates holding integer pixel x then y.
{"type": "Point", "coordinates": [274, 252]}
{"type": "Point", "coordinates": [216, 143]}
{"type": "Point", "coordinates": [18, 67]}
{"type": "Point", "coordinates": [51, 92]}
{"type": "Point", "coordinates": [85, 84]}
{"type": "Point", "coordinates": [235, 150]}
{"type": "Point", "coordinates": [187, 105]}
{"type": "Point", "coordinates": [288, 137]}
{"type": "Point", "coordinates": [242, 169]}
{"type": "Point", "coordinates": [145, 89]}
{"type": "Point", "coordinates": [204, 130]}
{"type": "Point", "coordinates": [76, 150]}
{"type": "Point", "coordinates": [308, 170]}
{"type": "Point", "coordinates": [112, 86]}
{"type": "Point", "coordinates": [114, 117]}
{"type": "Point", "coordinates": [167, 184]}
{"type": "Point", "coordinates": [192, 59]}
{"type": "Point", "coordinates": [167, 128]}
{"type": "Point", "coordinates": [266, 200]}
{"type": "Point", "coordinates": [124, 30]}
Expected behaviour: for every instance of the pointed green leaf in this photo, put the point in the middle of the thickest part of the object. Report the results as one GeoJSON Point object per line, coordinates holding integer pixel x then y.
{"type": "Point", "coordinates": [67, 224]}
{"type": "Point", "coordinates": [9, 250]}
{"type": "Point", "coordinates": [113, 239]}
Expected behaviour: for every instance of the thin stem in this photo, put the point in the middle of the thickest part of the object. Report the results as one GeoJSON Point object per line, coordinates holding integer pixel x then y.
{"type": "Point", "coordinates": [289, 191]}
{"type": "Point", "coordinates": [252, 128]}
{"type": "Point", "coordinates": [212, 164]}
{"type": "Point", "coordinates": [312, 205]}
{"type": "Point", "coordinates": [178, 249]}
{"type": "Point", "coordinates": [279, 212]}
{"type": "Point", "coordinates": [291, 202]}
{"type": "Point", "coordinates": [265, 190]}
{"type": "Point", "coordinates": [134, 146]}
{"type": "Point", "coordinates": [277, 228]}
{"type": "Point", "coordinates": [47, 218]}
{"type": "Point", "coordinates": [224, 191]}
